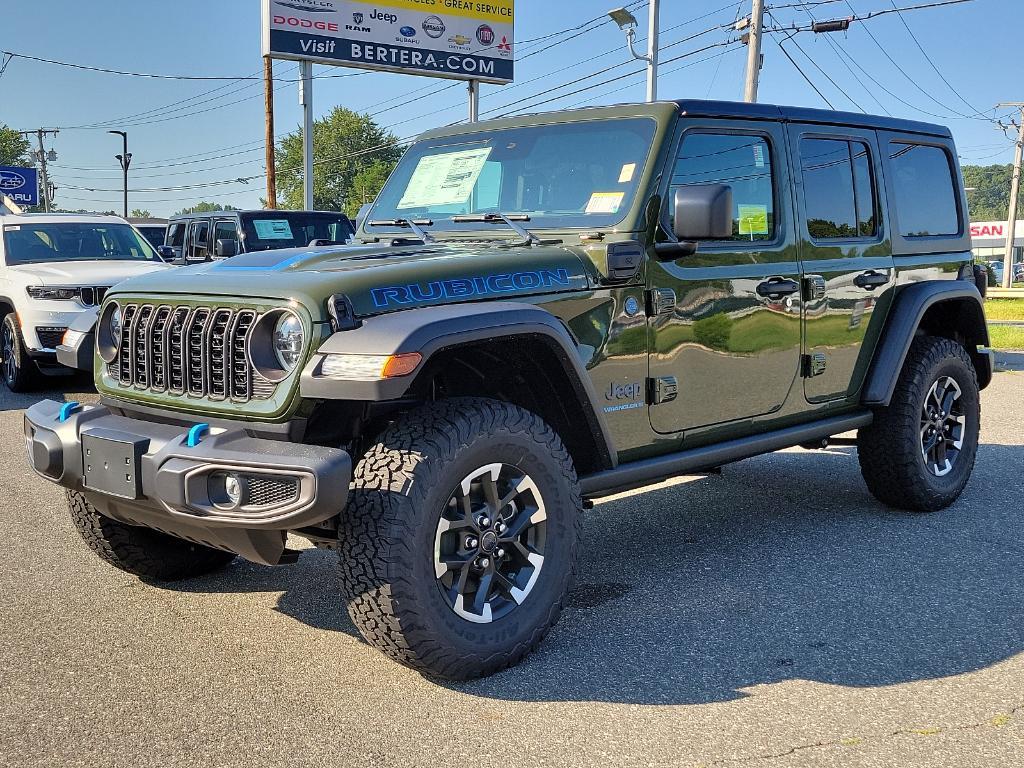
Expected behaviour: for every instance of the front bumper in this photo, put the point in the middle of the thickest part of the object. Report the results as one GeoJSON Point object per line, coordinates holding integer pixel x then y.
{"type": "Point", "coordinates": [152, 474]}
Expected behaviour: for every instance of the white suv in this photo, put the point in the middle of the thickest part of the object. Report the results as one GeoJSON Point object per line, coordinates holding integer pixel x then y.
{"type": "Point", "coordinates": [54, 267]}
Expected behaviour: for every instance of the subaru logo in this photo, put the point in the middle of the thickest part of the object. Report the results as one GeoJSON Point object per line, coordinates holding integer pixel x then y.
{"type": "Point", "coordinates": [11, 180]}
{"type": "Point", "coordinates": [407, 32]}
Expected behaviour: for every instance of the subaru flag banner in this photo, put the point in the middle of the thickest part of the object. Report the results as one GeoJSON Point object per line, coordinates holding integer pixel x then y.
{"type": "Point", "coordinates": [462, 39]}
{"type": "Point", "coordinates": [20, 184]}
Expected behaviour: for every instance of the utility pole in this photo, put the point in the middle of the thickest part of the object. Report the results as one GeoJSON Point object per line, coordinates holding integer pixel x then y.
{"type": "Point", "coordinates": [268, 108]}
{"type": "Point", "coordinates": [1011, 219]}
{"type": "Point", "coordinates": [652, 50]}
{"type": "Point", "coordinates": [42, 157]}
{"type": "Point", "coordinates": [125, 159]}
{"type": "Point", "coordinates": [754, 51]}
{"type": "Point", "coordinates": [306, 100]}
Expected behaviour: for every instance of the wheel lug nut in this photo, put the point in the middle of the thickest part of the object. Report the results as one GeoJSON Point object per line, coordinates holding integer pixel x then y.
{"type": "Point", "coordinates": [483, 562]}
{"type": "Point", "coordinates": [501, 527]}
{"type": "Point", "coordinates": [471, 542]}
{"type": "Point", "coordinates": [500, 552]}
{"type": "Point", "coordinates": [485, 521]}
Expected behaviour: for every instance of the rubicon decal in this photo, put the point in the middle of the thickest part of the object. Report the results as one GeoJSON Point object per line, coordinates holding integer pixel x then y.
{"type": "Point", "coordinates": [468, 287]}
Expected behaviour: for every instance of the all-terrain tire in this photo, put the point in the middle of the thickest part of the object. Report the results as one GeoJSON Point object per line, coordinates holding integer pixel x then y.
{"type": "Point", "coordinates": [890, 448]}
{"type": "Point", "coordinates": [387, 535]}
{"type": "Point", "coordinates": [142, 551]}
{"type": "Point", "coordinates": [20, 374]}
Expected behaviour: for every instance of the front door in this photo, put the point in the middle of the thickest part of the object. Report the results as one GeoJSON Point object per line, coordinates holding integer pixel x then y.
{"type": "Point", "coordinates": [845, 251]}
{"type": "Point", "coordinates": [725, 321]}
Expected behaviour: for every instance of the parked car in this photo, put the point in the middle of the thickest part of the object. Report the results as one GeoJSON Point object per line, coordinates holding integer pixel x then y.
{"type": "Point", "coordinates": [198, 237]}
{"type": "Point", "coordinates": [154, 230]}
{"type": "Point", "coordinates": [543, 310]}
{"type": "Point", "coordinates": [53, 269]}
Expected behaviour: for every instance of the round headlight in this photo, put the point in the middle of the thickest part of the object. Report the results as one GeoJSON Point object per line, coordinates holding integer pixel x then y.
{"type": "Point", "coordinates": [115, 322]}
{"type": "Point", "coordinates": [108, 333]}
{"type": "Point", "coordinates": [288, 339]}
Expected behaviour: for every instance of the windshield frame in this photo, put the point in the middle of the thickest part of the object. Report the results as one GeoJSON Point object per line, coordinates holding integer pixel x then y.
{"type": "Point", "coordinates": [444, 226]}
{"type": "Point", "coordinates": [149, 252]}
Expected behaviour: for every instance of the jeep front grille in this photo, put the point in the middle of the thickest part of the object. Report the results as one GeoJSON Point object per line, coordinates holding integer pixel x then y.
{"type": "Point", "coordinates": [191, 351]}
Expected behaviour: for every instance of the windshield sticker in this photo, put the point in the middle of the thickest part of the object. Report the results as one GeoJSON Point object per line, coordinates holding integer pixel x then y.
{"type": "Point", "coordinates": [13, 228]}
{"type": "Point", "coordinates": [759, 155]}
{"type": "Point", "coordinates": [466, 287]}
{"type": "Point", "coordinates": [444, 179]}
{"type": "Point", "coordinates": [626, 174]}
{"type": "Point", "coordinates": [273, 229]}
{"type": "Point", "coordinates": [604, 202]}
{"type": "Point", "coordinates": [753, 219]}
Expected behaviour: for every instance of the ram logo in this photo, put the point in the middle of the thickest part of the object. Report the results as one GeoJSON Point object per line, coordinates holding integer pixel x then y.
{"type": "Point", "coordinates": [11, 180]}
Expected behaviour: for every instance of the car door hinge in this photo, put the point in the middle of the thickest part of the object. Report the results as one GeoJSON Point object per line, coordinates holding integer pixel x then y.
{"type": "Point", "coordinates": [660, 301]}
{"type": "Point", "coordinates": [813, 364]}
{"type": "Point", "coordinates": [814, 287]}
{"type": "Point", "coordinates": [662, 389]}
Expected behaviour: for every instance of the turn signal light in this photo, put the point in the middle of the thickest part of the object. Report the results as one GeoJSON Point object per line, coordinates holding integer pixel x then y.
{"type": "Point", "coordinates": [369, 367]}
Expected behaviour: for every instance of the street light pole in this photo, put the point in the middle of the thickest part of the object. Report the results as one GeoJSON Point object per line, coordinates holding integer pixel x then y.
{"type": "Point", "coordinates": [125, 158]}
{"type": "Point", "coordinates": [627, 23]}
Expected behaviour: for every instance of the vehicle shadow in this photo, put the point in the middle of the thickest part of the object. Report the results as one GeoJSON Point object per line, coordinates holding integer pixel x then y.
{"type": "Point", "coordinates": [783, 567]}
{"type": "Point", "coordinates": [70, 387]}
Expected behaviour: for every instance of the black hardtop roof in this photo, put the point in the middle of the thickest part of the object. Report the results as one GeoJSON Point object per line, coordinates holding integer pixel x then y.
{"type": "Point", "coordinates": [278, 211]}
{"type": "Point", "coordinates": [740, 109]}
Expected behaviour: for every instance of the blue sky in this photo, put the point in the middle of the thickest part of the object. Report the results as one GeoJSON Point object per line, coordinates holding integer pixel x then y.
{"type": "Point", "coordinates": [216, 136]}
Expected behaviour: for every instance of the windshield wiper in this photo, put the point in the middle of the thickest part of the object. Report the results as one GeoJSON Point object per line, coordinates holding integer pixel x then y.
{"type": "Point", "coordinates": [415, 225]}
{"type": "Point", "coordinates": [509, 219]}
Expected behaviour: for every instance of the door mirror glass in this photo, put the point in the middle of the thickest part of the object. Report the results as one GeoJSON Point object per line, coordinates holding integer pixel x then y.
{"type": "Point", "coordinates": [225, 248]}
{"type": "Point", "coordinates": [702, 212]}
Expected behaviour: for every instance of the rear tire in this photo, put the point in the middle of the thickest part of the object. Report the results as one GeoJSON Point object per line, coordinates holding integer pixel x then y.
{"type": "Point", "coordinates": [434, 577]}
{"type": "Point", "coordinates": [142, 551]}
{"type": "Point", "coordinates": [918, 452]}
{"type": "Point", "coordinates": [19, 372]}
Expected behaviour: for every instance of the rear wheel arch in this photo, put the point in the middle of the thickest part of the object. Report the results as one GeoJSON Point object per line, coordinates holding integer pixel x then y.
{"type": "Point", "coordinates": [951, 309]}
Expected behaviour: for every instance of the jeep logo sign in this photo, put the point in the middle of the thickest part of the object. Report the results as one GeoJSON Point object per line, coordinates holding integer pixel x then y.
{"type": "Point", "coordinates": [20, 184]}
{"type": "Point", "coordinates": [444, 38]}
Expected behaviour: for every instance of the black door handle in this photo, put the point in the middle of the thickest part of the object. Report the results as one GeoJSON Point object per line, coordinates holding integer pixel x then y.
{"type": "Point", "coordinates": [870, 280]}
{"type": "Point", "coordinates": [777, 287]}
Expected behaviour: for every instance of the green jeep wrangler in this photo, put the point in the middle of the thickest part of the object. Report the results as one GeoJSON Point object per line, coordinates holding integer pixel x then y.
{"type": "Point", "coordinates": [537, 312]}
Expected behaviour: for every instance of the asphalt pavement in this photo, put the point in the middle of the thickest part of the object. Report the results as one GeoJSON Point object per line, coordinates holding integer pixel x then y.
{"type": "Point", "coordinates": [773, 615]}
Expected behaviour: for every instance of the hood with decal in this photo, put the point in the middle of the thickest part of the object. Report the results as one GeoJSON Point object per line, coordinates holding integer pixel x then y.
{"type": "Point", "coordinates": [380, 279]}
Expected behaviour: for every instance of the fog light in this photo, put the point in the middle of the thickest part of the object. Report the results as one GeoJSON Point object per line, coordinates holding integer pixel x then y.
{"type": "Point", "coordinates": [226, 490]}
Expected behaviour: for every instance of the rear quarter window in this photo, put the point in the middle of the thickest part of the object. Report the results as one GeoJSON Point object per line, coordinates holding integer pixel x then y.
{"type": "Point", "coordinates": [925, 190]}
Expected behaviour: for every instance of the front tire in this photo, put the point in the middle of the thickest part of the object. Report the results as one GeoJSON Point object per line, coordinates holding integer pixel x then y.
{"type": "Point", "coordinates": [459, 542]}
{"type": "Point", "coordinates": [19, 372]}
{"type": "Point", "coordinates": [142, 551]}
{"type": "Point", "coordinates": [918, 452]}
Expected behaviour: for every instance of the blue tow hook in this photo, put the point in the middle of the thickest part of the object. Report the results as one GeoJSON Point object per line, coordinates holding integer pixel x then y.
{"type": "Point", "coordinates": [67, 409]}
{"type": "Point", "coordinates": [195, 435]}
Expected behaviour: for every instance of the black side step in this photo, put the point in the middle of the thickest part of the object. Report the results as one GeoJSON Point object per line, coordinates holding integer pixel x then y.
{"type": "Point", "coordinates": [647, 471]}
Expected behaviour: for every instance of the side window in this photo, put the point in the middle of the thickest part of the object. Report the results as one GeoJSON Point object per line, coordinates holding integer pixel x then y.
{"type": "Point", "coordinates": [839, 193]}
{"type": "Point", "coordinates": [225, 230]}
{"type": "Point", "coordinates": [199, 239]}
{"type": "Point", "coordinates": [922, 179]}
{"type": "Point", "coordinates": [176, 234]}
{"type": "Point", "coordinates": [744, 162]}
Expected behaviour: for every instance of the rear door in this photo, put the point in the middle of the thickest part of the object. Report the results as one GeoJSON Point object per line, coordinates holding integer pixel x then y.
{"type": "Point", "coordinates": [197, 245]}
{"type": "Point", "coordinates": [225, 229]}
{"type": "Point", "coordinates": [725, 321]}
{"type": "Point", "coordinates": [845, 251]}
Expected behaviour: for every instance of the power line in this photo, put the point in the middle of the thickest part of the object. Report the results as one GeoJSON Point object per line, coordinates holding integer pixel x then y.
{"type": "Point", "coordinates": [802, 73]}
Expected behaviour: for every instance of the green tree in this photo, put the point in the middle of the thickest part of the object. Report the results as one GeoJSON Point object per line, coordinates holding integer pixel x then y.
{"type": "Point", "coordinates": [988, 196]}
{"type": "Point", "coordinates": [205, 207]}
{"type": "Point", "coordinates": [140, 213]}
{"type": "Point", "coordinates": [14, 148]}
{"type": "Point", "coordinates": [342, 179]}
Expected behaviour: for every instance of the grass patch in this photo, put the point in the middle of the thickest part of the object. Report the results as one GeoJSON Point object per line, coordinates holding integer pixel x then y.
{"type": "Point", "coordinates": [1004, 309]}
{"type": "Point", "coordinates": [1006, 337]}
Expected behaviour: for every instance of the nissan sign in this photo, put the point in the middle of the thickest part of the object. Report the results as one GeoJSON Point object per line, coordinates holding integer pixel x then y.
{"type": "Point", "coordinates": [20, 184]}
{"type": "Point", "coordinates": [461, 39]}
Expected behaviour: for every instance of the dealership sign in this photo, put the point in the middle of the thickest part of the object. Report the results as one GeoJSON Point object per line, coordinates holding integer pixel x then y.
{"type": "Point", "coordinates": [20, 184]}
{"type": "Point", "coordinates": [462, 39]}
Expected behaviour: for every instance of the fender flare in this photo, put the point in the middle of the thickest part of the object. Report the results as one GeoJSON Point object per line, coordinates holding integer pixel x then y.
{"type": "Point", "coordinates": [429, 330]}
{"type": "Point", "coordinates": [909, 308]}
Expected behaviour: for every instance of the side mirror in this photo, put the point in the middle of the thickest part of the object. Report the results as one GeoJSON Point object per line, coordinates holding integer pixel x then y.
{"type": "Point", "coordinates": [225, 248]}
{"type": "Point", "coordinates": [703, 212]}
{"type": "Point", "coordinates": [166, 253]}
{"type": "Point", "coordinates": [361, 215]}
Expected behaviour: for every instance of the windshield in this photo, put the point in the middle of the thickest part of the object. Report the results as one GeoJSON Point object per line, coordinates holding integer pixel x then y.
{"type": "Point", "coordinates": [78, 241]}
{"type": "Point", "coordinates": [293, 229]}
{"type": "Point", "coordinates": [582, 174]}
